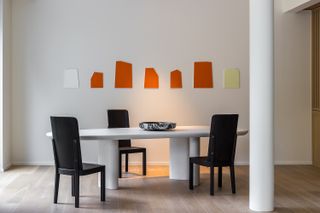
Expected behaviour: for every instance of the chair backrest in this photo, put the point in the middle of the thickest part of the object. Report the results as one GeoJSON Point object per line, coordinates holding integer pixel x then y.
{"type": "Point", "coordinates": [119, 118]}
{"type": "Point", "coordinates": [223, 138]}
{"type": "Point", "coordinates": [66, 143]}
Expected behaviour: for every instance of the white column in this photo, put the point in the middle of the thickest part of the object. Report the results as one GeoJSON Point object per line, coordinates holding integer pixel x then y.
{"type": "Point", "coordinates": [1, 86]}
{"type": "Point", "coordinates": [261, 106]}
{"type": "Point", "coordinates": [109, 156]}
{"type": "Point", "coordinates": [5, 79]}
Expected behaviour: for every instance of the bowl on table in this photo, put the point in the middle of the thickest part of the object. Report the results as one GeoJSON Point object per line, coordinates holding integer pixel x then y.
{"type": "Point", "coordinates": [157, 126]}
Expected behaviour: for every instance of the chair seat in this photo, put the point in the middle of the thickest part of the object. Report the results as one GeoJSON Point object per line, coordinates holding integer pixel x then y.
{"type": "Point", "coordinates": [131, 149]}
{"type": "Point", "coordinates": [203, 161]}
{"type": "Point", "coordinates": [87, 168]}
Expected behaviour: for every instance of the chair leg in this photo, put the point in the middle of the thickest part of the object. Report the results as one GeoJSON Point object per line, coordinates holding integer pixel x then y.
{"type": "Point", "coordinates": [120, 165]}
{"type": "Point", "coordinates": [103, 184]}
{"type": "Point", "coordinates": [76, 190]}
{"type": "Point", "coordinates": [144, 162]}
{"type": "Point", "coordinates": [72, 185]}
{"type": "Point", "coordinates": [212, 180]}
{"type": "Point", "coordinates": [127, 162]}
{"type": "Point", "coordinates": [220, 177]}
{"type": "Point", "coordinates": [233, 179]}
{"type": "Point", "coordinates": [190, 175]}
{"type": "Point", "coordinates": [56, 187]}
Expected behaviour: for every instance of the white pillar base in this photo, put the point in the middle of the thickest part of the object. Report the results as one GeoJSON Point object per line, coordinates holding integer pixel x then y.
{"type": "Point", "coordinates": [195, 152]}
{"type": "Point", "coordinates": [179, 158]}
{"type": "Point", "coordinates": [109, 156]}
{"type": "Point", "coordinates": [180, 151]}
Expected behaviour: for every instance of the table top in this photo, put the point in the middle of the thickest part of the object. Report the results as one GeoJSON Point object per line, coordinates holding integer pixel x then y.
{"type": "Point", "coordinates": [137, 133]}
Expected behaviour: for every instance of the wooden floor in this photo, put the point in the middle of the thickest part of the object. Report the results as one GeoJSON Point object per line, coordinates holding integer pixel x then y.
{"type": "Point", "coordinates": [30, 189]}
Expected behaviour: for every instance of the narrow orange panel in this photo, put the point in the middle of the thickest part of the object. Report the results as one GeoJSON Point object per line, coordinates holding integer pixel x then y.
{"type": "Point", "coordinates": [97, 80]}
{"type": "Point", "coordinates": [123, 77]}
{"type": "Point", "coordinates": [203, 75]}
{"type": "Point", "coordinates": [175, 79]}
{"type": "Point", "coordinates": [151, 78]}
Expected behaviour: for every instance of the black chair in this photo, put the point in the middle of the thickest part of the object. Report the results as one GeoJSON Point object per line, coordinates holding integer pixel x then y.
{"type": "Point", "coordinates": [67, 156]}
{"type": "Point", "coordinates": [221, 150]}
{"type": "Point", "coordinates": [119, 118]}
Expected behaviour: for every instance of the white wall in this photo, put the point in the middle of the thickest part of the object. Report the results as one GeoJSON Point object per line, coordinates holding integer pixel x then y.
{"type": "Point", "coordinates": [51, 35]}
{"type": "Point", "coordinates": [5, 141]}
{"type": "Point", "coordinates": [292, 86]}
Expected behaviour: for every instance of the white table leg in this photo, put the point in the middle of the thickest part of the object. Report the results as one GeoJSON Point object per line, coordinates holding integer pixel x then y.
{"type": "Point", "coordinates": [109, 156]}
{"type": "Point", "coordinates": [195, 152]}
{"type": "Point", "coordinates": [179, 158]}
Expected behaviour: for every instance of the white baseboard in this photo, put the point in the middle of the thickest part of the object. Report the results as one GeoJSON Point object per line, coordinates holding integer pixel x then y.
{"type": "Point", "coordinates": [17, 163]}
{"type": "Point", "coordinates": [279, 163]}
{"type": "Point", "coordinates": [160, 163]}
{"type": "Point", "coordinates": [293, 162]}
{"type": "Point", "coordinates": [241, 163]}
{"type": "Point", "coordinates": [166, 163]}
{"type": "Point", "coordinates": [153, 163]}
{"type": "Point", "coordinates": [134, 163]}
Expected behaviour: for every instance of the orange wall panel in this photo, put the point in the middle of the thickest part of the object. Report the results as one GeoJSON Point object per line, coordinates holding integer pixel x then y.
{"type": "Point", "coordinates": [175, 79]}
{"type": "Point", "coordinates": [96, 80]}
{"type": "Point", "coordinates": [123, 76]}
{"type": "Point", "coordinates": [203, 75]}
{"type": "Point", "coordinates": [151, 78]}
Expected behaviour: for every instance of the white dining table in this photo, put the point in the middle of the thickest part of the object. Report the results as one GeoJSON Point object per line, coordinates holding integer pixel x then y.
{"type": "Point", "coordinates": [184, 143]}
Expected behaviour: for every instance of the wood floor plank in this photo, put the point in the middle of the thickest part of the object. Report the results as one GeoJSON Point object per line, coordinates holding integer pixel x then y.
{"type": "Point", "coordinates": [25, 189]}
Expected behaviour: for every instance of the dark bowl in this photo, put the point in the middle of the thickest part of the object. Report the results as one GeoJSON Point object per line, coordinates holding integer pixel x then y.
{"type": "Point", "coordinates": [157, 126]}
